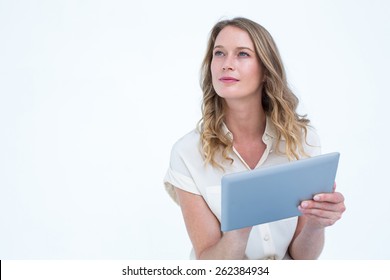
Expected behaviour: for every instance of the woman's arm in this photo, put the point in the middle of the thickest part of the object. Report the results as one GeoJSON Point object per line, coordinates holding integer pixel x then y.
{"type": "Point", "coordinates": [324, 210]}
{"type": "Point", "coordinates": [204, 230]}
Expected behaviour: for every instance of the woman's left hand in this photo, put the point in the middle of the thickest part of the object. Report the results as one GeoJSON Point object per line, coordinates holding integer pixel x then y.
{"type": "Point", "coordinates": [324, 209]}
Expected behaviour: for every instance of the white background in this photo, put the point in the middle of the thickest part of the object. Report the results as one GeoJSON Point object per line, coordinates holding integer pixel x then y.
{"type": "Point", "coordinates": [94, 93]}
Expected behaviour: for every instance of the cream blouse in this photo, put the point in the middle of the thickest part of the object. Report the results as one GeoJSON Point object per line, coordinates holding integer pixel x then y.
{"type": "Point", "coordinates": [188, 172]}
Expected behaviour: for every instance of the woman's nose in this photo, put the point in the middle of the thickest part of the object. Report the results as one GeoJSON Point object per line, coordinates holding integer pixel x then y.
{"type": "Point", "coordinates": [228, 64]}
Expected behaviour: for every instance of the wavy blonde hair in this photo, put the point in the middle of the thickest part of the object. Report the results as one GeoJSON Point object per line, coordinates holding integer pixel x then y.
{"type": "Point", "coordinates": [278, 101]}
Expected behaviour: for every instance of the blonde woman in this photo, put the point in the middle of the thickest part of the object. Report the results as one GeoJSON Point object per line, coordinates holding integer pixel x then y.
{"type": "Point", "coordinates": [249, 121]}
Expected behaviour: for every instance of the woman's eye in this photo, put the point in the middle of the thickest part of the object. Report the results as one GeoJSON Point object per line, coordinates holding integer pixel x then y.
{"type": "Point", "coordinates": [244, 54]}
{"type": "Point", "coordinates": [218, 53]}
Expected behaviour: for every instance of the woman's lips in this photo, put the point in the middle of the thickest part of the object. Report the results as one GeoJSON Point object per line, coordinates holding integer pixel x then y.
{"type": "Point", "coordinates": [228, 80]}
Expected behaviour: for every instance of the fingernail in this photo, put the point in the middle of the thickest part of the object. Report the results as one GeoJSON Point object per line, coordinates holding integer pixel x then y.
{"type": "Point", "coordinates": [317, 197]}
{"type": "Point", "coordinates": [304, 204]}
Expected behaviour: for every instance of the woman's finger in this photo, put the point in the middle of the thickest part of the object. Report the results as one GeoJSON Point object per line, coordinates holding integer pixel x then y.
{"type": "Point", "coordinates": [334, 197]}
{"type": "Point", "coordinates": [326, 206]}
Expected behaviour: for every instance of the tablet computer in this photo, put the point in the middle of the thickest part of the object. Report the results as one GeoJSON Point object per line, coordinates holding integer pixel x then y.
{"type": "Point", "coordinates": [273, 193]}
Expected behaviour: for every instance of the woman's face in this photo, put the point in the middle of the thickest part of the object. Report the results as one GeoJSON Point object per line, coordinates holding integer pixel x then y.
{"type": "Point", "coordinates": [235, 69]}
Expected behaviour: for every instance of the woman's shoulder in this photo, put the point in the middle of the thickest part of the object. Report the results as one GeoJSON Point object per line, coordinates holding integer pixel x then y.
{"type": "Point", "coordinates": [187, 151]}
{"type": "Point", "coordinates": [187, 142]}
{"type": "Point", "coordinates": [312, 143]}
{"type": "Point", "coordinates": [312, 137]}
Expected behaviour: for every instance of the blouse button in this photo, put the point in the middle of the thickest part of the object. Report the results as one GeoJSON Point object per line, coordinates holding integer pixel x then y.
{"type": "Point", "coordinates": [266, 237]}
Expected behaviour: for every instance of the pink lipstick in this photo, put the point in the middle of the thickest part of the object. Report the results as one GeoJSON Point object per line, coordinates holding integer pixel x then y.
{"type": "Point", "coordinates": [228, 80]}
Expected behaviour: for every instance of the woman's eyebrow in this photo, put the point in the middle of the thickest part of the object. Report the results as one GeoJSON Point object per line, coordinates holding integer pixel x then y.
{"type": "Point", "coordinates": [238, 48]}
{"type": "Point", "coordinates": [245, 48]}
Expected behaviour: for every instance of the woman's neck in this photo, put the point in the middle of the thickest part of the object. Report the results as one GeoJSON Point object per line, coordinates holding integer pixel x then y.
{"type": "Point", "coordinates": [245, 120]}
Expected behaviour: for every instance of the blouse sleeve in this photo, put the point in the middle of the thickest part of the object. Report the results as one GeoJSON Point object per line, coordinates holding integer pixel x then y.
{"type": "Point", "coordinates": [178, 174]}
{"type": "Point", "coordinates": [312, 145]}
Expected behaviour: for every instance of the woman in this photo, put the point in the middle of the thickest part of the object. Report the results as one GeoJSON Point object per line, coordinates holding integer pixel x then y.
{"type": "Point", "coordinates": [249, 121]}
